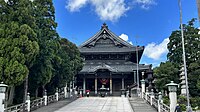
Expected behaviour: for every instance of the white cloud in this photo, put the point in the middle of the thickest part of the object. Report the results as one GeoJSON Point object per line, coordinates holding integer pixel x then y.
{"type": "Point", "coordinates": [125, 37]}
{"type": "Point", "coordinates": [7, 0]}
{"type": "Point", "coordinates": [156, 51]}
{"type": "Point", "coordinates": [145, 4]}
{"type": "Point", "coordinates": [110, 9]}
{"type": "Point", "coordinates": [75, 5]}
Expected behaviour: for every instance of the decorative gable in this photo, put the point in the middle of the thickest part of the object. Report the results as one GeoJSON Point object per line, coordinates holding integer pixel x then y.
{"type": "Point", "coordinates": [105, 38]}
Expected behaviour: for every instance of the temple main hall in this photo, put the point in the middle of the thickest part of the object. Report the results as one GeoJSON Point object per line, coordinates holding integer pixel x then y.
{"type": "Point", "coordinates": [111, 63]}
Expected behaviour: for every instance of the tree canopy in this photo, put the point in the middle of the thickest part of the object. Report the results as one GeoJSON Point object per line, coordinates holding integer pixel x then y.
{"type": "Point", "coordinates": [192, 51]}
{"type": "Point", "coordinates": [31, 49]}
{"type": "Point", "coordinates": [165, 73]}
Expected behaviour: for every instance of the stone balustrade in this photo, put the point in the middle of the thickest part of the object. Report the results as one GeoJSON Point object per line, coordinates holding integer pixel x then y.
{"type": "Point", "coordinates": [37, 103]}
{"type": "Point", "coordinates": [156, 103]}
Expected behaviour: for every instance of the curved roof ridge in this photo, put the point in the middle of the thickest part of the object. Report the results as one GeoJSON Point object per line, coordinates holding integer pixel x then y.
{"type": "Point", "coordinates": [104, 27]}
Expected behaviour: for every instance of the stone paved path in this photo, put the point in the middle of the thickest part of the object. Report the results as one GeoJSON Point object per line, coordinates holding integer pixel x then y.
{"type": "Point", "coordinates": [98, 104]}
{"type": "Point", "coordinates": [139, 105]}
{"type": "Point", "coordinates": [54, 106]}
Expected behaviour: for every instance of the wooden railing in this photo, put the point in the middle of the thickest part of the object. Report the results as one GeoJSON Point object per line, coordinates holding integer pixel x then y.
{"type": "Point", "coordinates": [35, 104]}
{"type": "Point", "coordinates": [17, 108]}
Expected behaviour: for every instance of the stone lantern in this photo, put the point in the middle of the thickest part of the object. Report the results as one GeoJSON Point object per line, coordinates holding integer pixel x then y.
{"type": "Point", "coordinates": [172, 87]}
{"type": "Point", "coordinates": [3, 88]}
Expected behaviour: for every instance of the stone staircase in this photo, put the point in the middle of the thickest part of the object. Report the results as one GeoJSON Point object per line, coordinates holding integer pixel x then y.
{"type": "Point", "coordinates": [139, 105]}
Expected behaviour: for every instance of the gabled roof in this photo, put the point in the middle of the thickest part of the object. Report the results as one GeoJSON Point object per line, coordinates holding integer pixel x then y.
{"type": "Point", "coordinates": [112, 36]}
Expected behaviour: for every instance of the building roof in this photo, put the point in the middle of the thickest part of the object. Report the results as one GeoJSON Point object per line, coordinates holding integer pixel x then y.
{"type": "Point", "coordinates": [115, 66]}
{"type": "Point", "coordinates": [116, 44]}
{"type": "Point", "coordinates": [109, 50]}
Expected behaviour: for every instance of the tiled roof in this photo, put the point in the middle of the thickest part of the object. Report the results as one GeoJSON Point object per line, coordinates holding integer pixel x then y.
{"type": "Point", "coordinates": [115, 66]}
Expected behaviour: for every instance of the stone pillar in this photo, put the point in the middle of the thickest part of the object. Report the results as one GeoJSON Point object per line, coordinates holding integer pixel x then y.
{"type": "Point", "coordinates": [95, 84]}
{"type": "Point", "coordinates": [110, 84]}
{"type": "Point", "coordinates": [2, 102]}
{"type": "Point", "coordinates": [28, 101]}
{"type": "Point", "coordinates": [173, 101]}
{"type": "Point", "coordinates": [159, 101]}
{"type": "Point", "coordinates": [70, 89]}
{"type": "Point", "coordinates": [143, 88]}
{"type": "Point", "coordinates": [56, 94]}
{"type": "Point", "coordinates": [65, 91]}
{"type": "Point", "coordinates": [135, 78]}
{"type": "Point", "coordinates": [151, 97]}
{"type": "Point", "coordinates": [84, 89]}
{"type": "Point", "coordinates": [45, 97]}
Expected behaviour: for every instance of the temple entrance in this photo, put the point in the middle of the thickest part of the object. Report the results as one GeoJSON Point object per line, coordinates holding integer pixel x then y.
{"type": "Point", "coordinates": [103, 81]}
{"type": "Point", "coordinates": [117, 86]}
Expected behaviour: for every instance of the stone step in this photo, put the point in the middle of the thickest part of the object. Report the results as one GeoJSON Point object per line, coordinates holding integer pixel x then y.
{"type": "Point", "coordinates": [139, 105]}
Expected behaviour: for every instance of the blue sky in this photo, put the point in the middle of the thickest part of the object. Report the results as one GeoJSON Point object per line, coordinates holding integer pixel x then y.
{"type": "Point", "coordinates": [150, 21]}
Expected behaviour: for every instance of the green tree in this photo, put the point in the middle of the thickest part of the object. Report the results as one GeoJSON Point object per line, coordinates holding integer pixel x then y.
{"type": "Point", "coordinates": [165, 73]}
{"type": "Point", "coordinates": [15, 51]}
{"type": "Point", "coordinates": [16, 25]}
{"type": "Point", "coordinates": [192, 46]}
{"type": "Point", "coordinates": [42, 71]}
{"type": "Point", "coordinates": [71, 63]}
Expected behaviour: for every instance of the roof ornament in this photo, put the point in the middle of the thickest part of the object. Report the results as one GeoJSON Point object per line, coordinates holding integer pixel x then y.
{"type": "Point", "coordinates": [104, 26]}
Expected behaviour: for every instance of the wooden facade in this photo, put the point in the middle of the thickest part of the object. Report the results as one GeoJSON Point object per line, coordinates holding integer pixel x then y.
{"type": "Point", "coordinates": [111, 63]}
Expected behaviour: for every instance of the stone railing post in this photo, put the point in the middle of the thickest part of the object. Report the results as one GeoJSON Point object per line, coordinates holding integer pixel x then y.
{"type": "Point", "coordinates": [65, 91]}
{"type": "Point", "coordinates": [2, 102]}
{"type": "Point", "coordinates": [147, 93]}
{"type": "Point", "coordinates": [3, 88]}
{"type": "Point", "coordinates": [151, 97]}
{"type": "Point", "coordinates": [159, 101]}
{"type": "Point", "coordinates": [143, 88]}
{"type": "Point", "coordinates": [28, 101]}
{"type": "Point", "coordinates": [70, 89]}
{"type": "Point", "coordinates": [56, 94]}
{"type": "Point", "coordinates": [45, 97]}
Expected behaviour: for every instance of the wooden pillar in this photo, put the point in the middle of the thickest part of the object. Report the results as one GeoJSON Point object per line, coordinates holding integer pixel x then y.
{"type": "Point", "coordinates": [95, 84]}
{"type": "Point", "coordinates": [134, 73]}
{"type": "Point", "coordinates": [110, 83]}
{"type": "Point", "coordinates": [122, 81]}
{"type": "Point", "coordinates": [84, 84]}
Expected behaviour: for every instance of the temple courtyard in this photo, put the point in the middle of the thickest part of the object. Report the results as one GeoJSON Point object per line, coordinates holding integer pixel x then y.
{"type": "Point", "coordinates": [98, 104]}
